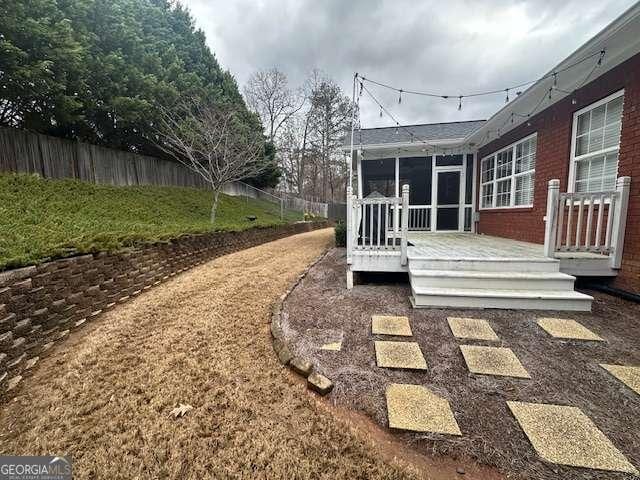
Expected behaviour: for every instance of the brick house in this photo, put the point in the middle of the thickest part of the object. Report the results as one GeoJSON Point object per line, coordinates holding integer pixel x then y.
{"type": "Point", "coordinates": [551, 181]}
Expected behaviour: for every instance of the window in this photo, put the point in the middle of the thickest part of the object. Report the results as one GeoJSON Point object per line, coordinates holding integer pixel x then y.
{"type": "Point", "coordinates": [447, 160]}
{"type": "Point", "coordinates": [507, 176]}
{"type": "Point", "coordinates": [595, 145]}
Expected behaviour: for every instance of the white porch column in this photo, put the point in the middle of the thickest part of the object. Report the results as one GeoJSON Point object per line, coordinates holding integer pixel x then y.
{"type": "Point", "coordinates": [551, 219]}
{"type": "Point", "coordinates": [623, 186]}
{"type": "Point", "coordinates": [405, 225]}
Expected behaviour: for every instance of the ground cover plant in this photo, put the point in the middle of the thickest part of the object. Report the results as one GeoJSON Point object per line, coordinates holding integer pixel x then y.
{"type": "Point", "coordinates": [42, 219]}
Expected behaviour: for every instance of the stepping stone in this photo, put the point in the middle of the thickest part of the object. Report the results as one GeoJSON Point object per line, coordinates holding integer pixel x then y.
{"type": "Point", "coordinates": [400, 355]}
{"type": "Point", "coordinates": [333, 347]}
{"type": "Point", "coordinates": [630, 376]}
{"type": "Point", "coordinates": [389, 325]}
{"type": "Point", "coordinates": [566, 328]}
{"type": "Point", "coordinates": [471, 328]}
{"type": "Point", "coordinates": [325, 339]}
{"type": "Point", "coordinates": [493, 361]}
{"type": "Point", "coordinates": [416, 408]}
{"type": "Point", "coordinates": [566, 436]}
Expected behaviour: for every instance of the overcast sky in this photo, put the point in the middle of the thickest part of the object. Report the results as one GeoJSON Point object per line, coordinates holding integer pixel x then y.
{"type": "Point", "coordinates": [452, 47]}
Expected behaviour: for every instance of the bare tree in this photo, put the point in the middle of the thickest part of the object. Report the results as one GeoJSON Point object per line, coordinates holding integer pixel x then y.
{"type": "Point", "coordinates": [213, 142]}
{"type": "Point", "coordinates": [268, 94]}
{"type": "Point", "coordinates": [331, 115]}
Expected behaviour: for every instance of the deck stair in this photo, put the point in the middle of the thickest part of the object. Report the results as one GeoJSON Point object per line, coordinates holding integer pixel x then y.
{"type": "Point", "coordinates": [486, 282]}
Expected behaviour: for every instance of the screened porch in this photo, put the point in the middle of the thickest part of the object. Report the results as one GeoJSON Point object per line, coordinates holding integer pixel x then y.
{"type": "Point", "coordinates": [441, 192]}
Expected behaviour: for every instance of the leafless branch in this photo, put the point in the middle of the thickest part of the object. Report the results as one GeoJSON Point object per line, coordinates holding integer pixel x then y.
{"type": "Point", "coordinates": [213, 142]}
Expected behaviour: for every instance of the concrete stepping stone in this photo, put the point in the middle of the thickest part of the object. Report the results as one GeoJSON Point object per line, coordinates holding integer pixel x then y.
{"type": "Point", "coordinates": [567, 328]}
{"type": "Point", "coordinates": [390, 325]}
{"type": "Point", "coordinates": [399, 355]}
{"type": "Point", "coordinates": [566, 436]}
{"type": "Point", "coordinates": [630, 376]}
{"type": "Point", "coordinates": [493, 361]}
{"type": "Point", "coordinates": [325, 339]}
{"type": "Point", "coordinates": [416, 408]}
{"type": "Point", "coordinates": [471, 328]}
{"type": "Point", "coordinates": [332, 346]}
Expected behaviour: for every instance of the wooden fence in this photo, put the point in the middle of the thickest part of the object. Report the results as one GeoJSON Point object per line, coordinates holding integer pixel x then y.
{"type": "Point", "coordinates": [51, 157]}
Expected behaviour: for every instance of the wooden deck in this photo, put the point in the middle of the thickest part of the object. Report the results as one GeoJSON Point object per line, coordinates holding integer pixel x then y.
{"type": "Point", "coordinates": [457, 246]}
{"type": "Point", "coordinates": [467, 246]}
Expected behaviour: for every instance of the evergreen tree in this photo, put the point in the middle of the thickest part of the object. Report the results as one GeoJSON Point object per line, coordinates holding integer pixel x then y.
{"type": "Point", "coordinates": [99, 70]}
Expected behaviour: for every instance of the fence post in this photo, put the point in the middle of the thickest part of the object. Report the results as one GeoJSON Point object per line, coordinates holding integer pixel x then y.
{"type": "Point", "coordinates": [405, 225]}
{"type": "Point", "coordinates": [281, 209]}
{"type": "Point", "coordinates": [623, 186]}
{"type": "Point", "coordinates": [551, 219]}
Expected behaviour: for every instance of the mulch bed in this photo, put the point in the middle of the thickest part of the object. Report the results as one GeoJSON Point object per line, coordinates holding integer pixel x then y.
{"type": "Point", "coordinates": [563, 372]}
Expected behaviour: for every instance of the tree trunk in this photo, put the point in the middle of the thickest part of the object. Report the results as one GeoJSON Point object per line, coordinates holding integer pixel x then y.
{"type": "Point", "coordinates": [214, 205]}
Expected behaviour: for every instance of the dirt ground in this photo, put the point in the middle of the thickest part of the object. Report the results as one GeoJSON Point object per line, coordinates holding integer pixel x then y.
{"type": "Point", "coordinates": [563, 372]}
{"type": "Point", "coordinates": [104, 395]}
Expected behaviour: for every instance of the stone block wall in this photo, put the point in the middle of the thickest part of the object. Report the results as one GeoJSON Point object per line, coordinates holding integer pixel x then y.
{"type": "Point", "coordinates": [39, 305]}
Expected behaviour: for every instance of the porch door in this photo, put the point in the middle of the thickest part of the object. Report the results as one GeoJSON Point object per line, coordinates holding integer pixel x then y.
{"type": "Point", "coordinates": [447, 193]}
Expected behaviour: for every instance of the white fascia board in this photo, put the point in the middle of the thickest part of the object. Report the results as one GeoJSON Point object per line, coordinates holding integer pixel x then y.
{"type": "Point", "coordinates": [417, 145]}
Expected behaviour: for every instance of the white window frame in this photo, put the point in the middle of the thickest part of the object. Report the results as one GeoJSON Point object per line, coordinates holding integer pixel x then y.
{"type": "Point", "coordinates": [513, 177]}
{"type": "Point", "coordinates": [574, 134]}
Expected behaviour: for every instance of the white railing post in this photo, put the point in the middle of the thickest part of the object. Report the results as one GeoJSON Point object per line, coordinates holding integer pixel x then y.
{"type": "Point", "coordinates": [349, 225]}
{"type": "Point", "coordinates": [551, 220]}
{"type": "Point", "coordinates": [405, 225]}
{"type": "Point", "coordinates": [623, 186]}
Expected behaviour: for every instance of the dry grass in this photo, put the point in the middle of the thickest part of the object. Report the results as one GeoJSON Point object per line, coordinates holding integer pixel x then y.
{"type": "Point", "coordinates": [104, 396]}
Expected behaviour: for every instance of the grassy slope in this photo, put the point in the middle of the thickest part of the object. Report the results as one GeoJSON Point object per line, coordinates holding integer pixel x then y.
{"type": "Point", "coordinates": [42, 219]}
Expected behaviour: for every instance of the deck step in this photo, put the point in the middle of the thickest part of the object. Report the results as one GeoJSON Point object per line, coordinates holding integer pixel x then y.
{"type": "Point", "coordinates": [433, 297]}
{"type": "Point", "coordinates": [491, 280]}
{"type": "Point", "coordinates": [539, 264]}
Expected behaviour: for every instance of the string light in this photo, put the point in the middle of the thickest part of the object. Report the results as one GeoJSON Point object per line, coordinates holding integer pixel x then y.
{"type": "Point", "coordinates": [548, 94]}
{"type": "Point", "coordinates": [553, 75]}
{"type": "Point", "coordinates": [411, 135]}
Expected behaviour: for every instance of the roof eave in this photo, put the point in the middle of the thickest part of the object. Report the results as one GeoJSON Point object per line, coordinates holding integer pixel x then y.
{"type": "Point", "coordinates": [396, 145]}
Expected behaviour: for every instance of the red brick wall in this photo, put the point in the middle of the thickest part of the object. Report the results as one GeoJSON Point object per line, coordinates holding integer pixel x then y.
{"type": "Point", "coordinates": [553, 126]}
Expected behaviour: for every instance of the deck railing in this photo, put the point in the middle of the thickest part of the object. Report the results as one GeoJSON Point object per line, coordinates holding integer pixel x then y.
{"type": "Point", "coordinates": [377, 224]}
{"type": "Point", "coordinates": [420, 218]}
{"type": "Point", "coordinates": [587, 221]}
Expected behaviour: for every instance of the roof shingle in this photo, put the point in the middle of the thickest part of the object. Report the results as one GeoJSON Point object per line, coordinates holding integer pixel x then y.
{"type": "Point", "coordinates": [427, 132]}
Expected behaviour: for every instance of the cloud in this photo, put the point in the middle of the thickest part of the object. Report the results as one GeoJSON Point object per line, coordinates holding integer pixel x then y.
{"type": "Point", "coordinates": [445, 47]}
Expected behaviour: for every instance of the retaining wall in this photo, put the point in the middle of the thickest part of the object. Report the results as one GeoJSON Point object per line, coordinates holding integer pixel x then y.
{"type": "Point", "coordinates": [39, 305]}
